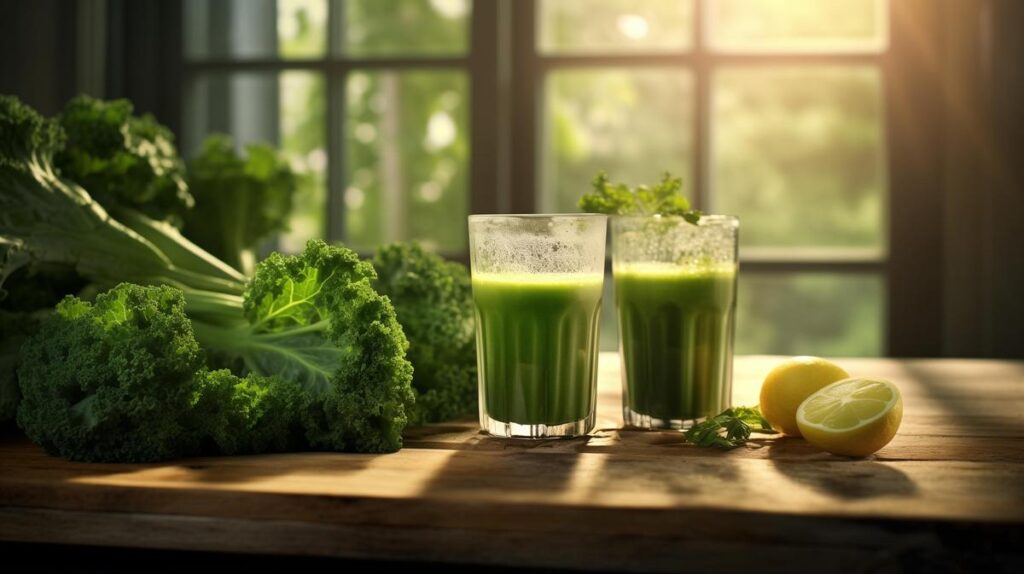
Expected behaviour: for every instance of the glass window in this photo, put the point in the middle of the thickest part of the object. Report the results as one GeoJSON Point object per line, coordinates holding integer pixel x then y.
{"type": "Point", "coordinates": [805, 313]}
{"type": "Point", "coordinates": [633, 124]}
{"type": "Point", "coordinates": [414, 28]}
{"type": "Point", "coordinates": [614, 26]}
{"type": "Point", "coordinates": [798, 154]}
{"type": "Point", "coordinates": [285, 109]}
{"type": "Point", "coordinates": [407, 148]}
{"type": "Point", "coordinates": [798, 25]}
{"type": "Point", "coordinates": [246, 29]}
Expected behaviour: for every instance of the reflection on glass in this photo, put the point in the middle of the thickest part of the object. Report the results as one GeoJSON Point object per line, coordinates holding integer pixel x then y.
{"type": "Point", "coordinates": [255, 28]}
{"type": "Point", "coordinates": [798, 25]}
{"type": "Point", "coordinates": [633, 124]}
{"type": "Point", "coordinates": [798, 154]}
{"type": "Point", "coordinates": [827, 314]}
{"type": "Point", "coordinates": [406, 27]}
{"type": "Point", "coordinates": [406, 142]}
{"type": "Point", "coordinates": [597, 26]}
{"type": "Point", "coordinates": [285, 110]}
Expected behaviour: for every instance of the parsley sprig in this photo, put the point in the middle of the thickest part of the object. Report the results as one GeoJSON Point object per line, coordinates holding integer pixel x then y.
{"type": "Point", "coordinates": [663, 198]}
{"type": "Point", "coordinates": [729, 429]}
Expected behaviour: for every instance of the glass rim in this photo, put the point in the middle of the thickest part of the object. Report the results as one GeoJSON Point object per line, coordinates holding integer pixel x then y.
{"type": "Point", "coordinates": [490, 216]}
{"type": "Point", "coordinates": [707, 218]}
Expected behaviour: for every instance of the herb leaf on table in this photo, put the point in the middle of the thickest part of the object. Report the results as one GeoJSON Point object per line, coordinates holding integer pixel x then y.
{"type": "Point", "coordinates": [729, 429]}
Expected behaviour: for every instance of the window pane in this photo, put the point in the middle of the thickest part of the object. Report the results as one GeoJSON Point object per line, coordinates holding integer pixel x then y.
{"type": "Point", "coordinates": [407, 158]}
{"type": "Point", "coordinates": [634, 124]}
{"type": "Point", "coordinates": [798, 25]}
{"type": "Point", "coordinates": [575, 26]}
{"type": "Point", "coordinates": [285, 110]}
{"type": "Point", "coordinates": [406, 27]}
{"type": "Point", "coordinates": [798, 155]}
{"type": "Point", "coordinates": [828, 314]}
{"type": "Point", "coordinates": [255, 28]}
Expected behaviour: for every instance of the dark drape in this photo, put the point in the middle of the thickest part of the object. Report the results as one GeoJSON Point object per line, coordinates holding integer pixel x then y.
{"type": "Point", "coordinates": [144, 56]}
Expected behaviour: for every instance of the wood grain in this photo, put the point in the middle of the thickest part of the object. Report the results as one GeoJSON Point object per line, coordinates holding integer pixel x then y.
{"type": "Point", "coordinates": [620, 498]}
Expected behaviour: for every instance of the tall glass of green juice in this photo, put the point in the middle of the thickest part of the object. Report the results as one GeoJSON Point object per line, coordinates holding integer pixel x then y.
{"type": "Point", "coordinates": [537, 285]}
{"type": "Point", "coordinates": [675, 296]}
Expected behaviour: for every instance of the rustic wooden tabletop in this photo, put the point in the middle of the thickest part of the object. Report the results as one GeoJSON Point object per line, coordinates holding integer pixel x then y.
{"type": "Point", "coordinates": [950, 486]}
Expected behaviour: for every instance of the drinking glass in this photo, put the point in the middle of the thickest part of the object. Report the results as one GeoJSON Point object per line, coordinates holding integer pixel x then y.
{"type": "Point", "coordinates": [537, 285]}
{"type": "Point", "coordinates": [675, 296]}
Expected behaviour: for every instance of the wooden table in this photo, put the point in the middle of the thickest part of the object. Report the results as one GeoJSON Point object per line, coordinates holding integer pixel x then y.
{"type": "Point", "coordinates": [949, 487]}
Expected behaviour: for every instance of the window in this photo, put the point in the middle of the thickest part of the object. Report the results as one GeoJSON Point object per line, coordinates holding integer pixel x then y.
{"type": "Point", "coordinates": [772, 110]}
{"type": "Point", "coordinates": [405, 115]}
{"type": "Point", "coordinates": [368, 98]}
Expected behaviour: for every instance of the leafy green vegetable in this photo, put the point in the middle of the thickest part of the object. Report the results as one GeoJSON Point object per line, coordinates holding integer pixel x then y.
{"type": "Point", "coordinates": [251, 415]}
{"type": "Point", "coordinates": [619, 199]}
{"type": "Point", "coordinates": [27, 295]}
{"type": "Point", "coordinates": [239, 201]}
{"type": "Point", "coordinates": [15, 327]}
{"type": "Point", "coordinates": [312, 319]}
{"type": "Point", "coordinates": [434, 304]}
{"type": "Point", "coordinates": [729, 429]}
{"type": "Point", "coordinates": [53, 220]}
{"type": "Point", "coordinates": [123, 160]}
{"type": "Point", "coordinates": [112, 381]}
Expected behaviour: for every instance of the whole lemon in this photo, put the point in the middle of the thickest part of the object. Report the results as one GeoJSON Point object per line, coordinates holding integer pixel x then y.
{"type": "Point", "coordinates": [789, 383]}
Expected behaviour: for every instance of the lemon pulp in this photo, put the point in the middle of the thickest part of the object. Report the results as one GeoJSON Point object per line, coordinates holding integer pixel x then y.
{"type": "Point", "coordinates": [853, 417]}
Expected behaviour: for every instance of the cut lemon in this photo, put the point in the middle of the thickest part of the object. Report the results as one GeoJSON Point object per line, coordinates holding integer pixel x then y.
{"type": "Point", "coordinates": [852, 417]}
{"type": "Point", "coordinates": [789, 384]}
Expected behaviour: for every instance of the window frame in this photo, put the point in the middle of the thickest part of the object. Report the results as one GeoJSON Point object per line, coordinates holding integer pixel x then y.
{"type": "Point", "coordinates": [505, 73]}
{"type": "Point", "coordinates": [908, 263]}
{"type": "Point", "coordinates": [335, 67]}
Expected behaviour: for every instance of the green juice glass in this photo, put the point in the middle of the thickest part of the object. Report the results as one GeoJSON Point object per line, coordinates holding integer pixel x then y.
{"type": "Point", "coordinates": [675, 296]}
{"type": "Point", "coordinates": [537, 285]}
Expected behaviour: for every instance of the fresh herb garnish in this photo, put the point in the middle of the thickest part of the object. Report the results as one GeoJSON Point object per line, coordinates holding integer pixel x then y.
{"type": "Point", "coordinates": [663, 198]}
{"type": "Point", "coordinates": [729, 429]}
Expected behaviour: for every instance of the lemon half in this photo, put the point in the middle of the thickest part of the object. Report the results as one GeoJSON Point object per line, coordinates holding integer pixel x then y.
{"type": "Point", "coordinates": [852, 417]}
{"type": "Point", "coordinates": [790, 383]}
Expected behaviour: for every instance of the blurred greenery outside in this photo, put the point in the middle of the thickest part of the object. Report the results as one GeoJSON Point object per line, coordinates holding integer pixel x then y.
{"type": "Point", "coordinates": [797, 151]}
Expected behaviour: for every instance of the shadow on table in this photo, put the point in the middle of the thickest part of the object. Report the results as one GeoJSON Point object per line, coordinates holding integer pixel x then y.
{"type": "Point", "coordinates": [838, 476]}
{"type": "Point", "coordinates": [957, 398]}
{"type": "Point", "coordinates": [238, 469]}
{"type": "Point", "coordinates": [484, 464]}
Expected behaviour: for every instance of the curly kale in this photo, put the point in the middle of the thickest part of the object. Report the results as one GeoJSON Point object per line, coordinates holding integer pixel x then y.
{"type": "Point", "coordinates": [112, 381]}
{"type": "Point", "coordinates": [239, 201]}
{"type": "Point", "coordinates": [315, 318]}
{"type": "Point", "coordinates": [323, 354]}
{"type": "Point", "coordinates": [248, 415]}
{"type": "Point", "coordinates": [433, 301]}
{"type": "Point", "coordinates": [664, 198]}
{"type": "Point", "coordinates": [51, 219]}
{"type": "Point", "coordinates": [123, 160]}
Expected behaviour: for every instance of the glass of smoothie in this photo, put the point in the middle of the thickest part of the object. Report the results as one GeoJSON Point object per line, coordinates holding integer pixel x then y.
{"type": "Point", "coordinates": [675, 295]}
{"type": "Point", "coordinates": [537, 293]}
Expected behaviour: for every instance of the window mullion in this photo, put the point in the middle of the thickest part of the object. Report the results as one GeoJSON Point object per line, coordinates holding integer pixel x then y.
{"type": "Point", "coordinates": [334, 81]}
{"type": "Point", "coordinates": [701, 118]}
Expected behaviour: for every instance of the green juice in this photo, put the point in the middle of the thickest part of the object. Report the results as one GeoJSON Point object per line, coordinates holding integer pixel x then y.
{"type": "Point", "coordinates": [537, 337]}
{"type": "Point", "coordinates": [676, 328]}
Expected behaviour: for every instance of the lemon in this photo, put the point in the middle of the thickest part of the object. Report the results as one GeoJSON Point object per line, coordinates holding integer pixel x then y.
{"type": "Point", "coordinates": [853, 417]}
{"type": "Point", "coordinates": [788, 384]}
